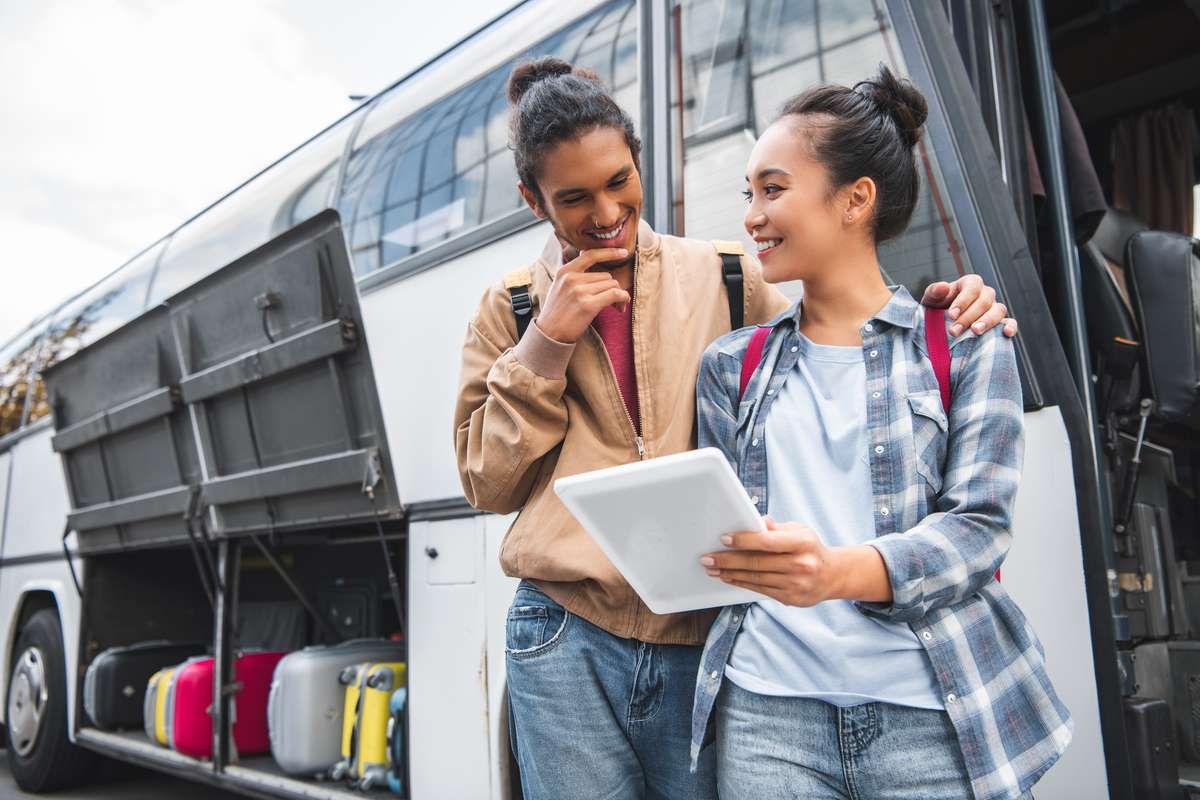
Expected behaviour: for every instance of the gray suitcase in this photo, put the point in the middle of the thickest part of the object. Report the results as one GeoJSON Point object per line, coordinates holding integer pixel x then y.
{"type": "Point", "coordinates": [304, 711]}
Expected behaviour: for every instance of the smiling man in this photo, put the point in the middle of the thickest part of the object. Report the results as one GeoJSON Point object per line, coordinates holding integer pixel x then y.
{"type": "Point", "coordinates": [600, 688]}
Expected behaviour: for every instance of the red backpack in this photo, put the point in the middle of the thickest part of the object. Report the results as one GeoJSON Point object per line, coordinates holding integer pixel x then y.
{"type": "Point", "coordinates": [939, 355]}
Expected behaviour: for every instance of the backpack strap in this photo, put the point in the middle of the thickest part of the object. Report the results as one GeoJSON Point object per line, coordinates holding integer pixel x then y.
{"type": "Point", "coordinates": [939, 355]}
{"type": "Point", "coordinates": [731, 272]}
{"type": "Point", "coordinates": [517, 283]}
{"type": "Point", "coordinates": [752, 358]}
{"type": "Point", "coordinates": [939, 351]}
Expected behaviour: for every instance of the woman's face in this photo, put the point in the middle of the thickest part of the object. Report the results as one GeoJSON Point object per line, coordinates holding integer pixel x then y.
{"type": "Point", "coordinates": [792, 214]}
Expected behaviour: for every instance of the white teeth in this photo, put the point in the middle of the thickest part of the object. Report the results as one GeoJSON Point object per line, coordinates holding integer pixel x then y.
{"type": "Point", "coordinates": [767, 244]}
{"type": "Point", "coordinates": [611, 235]}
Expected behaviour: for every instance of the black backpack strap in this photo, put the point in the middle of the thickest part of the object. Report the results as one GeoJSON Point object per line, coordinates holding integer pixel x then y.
{"type": "Point", "coordinates": [731, 272]}
{"type": "Point", "coordinates": [517, 283]}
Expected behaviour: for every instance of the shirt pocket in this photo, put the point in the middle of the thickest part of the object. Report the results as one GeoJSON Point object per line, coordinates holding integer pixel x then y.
{"type": "Point", "coordinates": [929, 432]}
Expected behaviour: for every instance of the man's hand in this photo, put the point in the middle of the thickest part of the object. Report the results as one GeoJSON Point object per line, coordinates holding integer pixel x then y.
{"type": "Point", "coordinates": [789, 563]}
{"type": "Point", "coordinates": [971, 303]}
{"type": "Point", "coordinates": [577, 296]}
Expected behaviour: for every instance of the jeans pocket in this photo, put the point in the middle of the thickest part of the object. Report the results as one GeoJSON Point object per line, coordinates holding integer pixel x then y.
{"type": "Point", "coordinates": [535, 623]}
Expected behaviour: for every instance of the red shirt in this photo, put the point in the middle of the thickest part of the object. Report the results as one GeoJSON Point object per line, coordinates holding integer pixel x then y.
{"type": "Point", "coordinates": [616, 330]}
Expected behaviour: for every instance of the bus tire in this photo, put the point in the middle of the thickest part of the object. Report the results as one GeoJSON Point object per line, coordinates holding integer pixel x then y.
{"type": "Point", "coordinates": [40, 753]}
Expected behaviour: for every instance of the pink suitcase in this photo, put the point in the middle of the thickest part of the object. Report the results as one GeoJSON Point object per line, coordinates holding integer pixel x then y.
{"type": "Point", "coordinates": [189, 705]}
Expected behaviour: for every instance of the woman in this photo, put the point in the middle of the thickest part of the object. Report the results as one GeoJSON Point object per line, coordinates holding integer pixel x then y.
{"type": "Point", "coordinates": [885, 659]}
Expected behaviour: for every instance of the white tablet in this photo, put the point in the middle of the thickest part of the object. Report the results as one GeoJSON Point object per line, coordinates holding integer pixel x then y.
{"type": "Point", "coordinates": [654, 519]}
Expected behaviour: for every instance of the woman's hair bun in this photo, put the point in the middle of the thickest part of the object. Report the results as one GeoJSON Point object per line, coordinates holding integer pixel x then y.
{"type": "Point", "coordinates": [527, 73]}
{"type": "Point", "coordinates": [901, 100]}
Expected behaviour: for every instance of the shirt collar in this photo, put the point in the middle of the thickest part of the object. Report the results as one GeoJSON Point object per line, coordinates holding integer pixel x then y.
{"type": "Point", "coordinates": [900, 311]}
{"type": "Point", "coordinates": [647, 243]}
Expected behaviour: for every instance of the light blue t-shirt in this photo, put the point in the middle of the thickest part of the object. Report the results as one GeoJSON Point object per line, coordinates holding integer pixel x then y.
{"type": "Point", "coordinates": [818, 473]}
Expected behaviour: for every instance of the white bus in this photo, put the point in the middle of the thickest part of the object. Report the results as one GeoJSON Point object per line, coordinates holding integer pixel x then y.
{"type": "Point", "coordinates": [205, 435]}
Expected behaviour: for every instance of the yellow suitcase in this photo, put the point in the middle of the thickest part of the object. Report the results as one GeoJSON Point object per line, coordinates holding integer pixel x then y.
{"type": "Point", "coordinates": [155, 706]}
{"type": "Point", "coordinates": [369, 690]}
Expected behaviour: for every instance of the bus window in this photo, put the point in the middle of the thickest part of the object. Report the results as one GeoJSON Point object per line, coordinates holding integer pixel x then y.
{"type": "Point", "coordinates": [18, 362]}
{"type": "Point", "coordinates": [740, 60]}
{"type": "Point", "coordinates": [287, 192]}
{"type": "Point", "coordinates": [447, 170]}
{"type": "Point", "coordinates": [112, 302]}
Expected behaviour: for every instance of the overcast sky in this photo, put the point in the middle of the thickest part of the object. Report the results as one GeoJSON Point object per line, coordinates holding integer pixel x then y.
{"type": "Point", "coordinates": [121, 118]}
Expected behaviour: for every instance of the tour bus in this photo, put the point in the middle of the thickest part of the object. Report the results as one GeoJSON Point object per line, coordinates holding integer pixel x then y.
{"type": "Point", "coordinates": [230, 424]}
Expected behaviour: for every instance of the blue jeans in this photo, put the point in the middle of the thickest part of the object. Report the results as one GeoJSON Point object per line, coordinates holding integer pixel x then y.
{"type": "Point", "coordinates": [804, 748]}
{"type": "Point", "coordinates": [593, 716]}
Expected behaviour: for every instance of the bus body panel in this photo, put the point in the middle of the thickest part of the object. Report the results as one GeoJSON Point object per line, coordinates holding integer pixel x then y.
{"type": "Point", "coordinates": [417, 326]}
{"type": "Point", "coordinates": [37, 498]}
{"type": "Point", "coordinates": [448, 670]}
{"type": "Point", "coordinates": [5, 474]}
{"type": "Point", "coordinates": [1044, 574]}
{"type": "Point", "coordinates": [21, 580]}
{"type": "Point", "coordinates": [498, 590]}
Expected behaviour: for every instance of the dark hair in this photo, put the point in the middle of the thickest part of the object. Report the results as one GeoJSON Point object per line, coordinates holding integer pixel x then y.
{"type": "Point", "coordinates": [870, 131]}
{"type": "Point", "coordinates": [552, 102]}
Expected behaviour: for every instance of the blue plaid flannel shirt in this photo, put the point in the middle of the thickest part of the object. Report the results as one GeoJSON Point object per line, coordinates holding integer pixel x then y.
{"type": "Point", "coordinates": [943, 491]}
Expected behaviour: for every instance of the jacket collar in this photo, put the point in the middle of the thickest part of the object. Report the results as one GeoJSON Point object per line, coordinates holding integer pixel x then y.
{"type": "Point", "coordinates": [648, 243]}
{"type": "Point", "coordinates": [900, 311]}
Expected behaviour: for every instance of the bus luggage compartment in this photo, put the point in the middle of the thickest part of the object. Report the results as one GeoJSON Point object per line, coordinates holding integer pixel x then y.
{"type": "Point", "coordinates": [245, 403]}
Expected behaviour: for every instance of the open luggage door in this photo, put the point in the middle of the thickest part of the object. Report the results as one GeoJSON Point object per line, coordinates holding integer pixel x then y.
{"type": "Point", "coordinates": [247, 399]}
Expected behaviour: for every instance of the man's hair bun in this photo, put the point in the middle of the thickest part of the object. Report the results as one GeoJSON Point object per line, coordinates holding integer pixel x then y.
{"type": "Point", "coordinates": [527, 73]}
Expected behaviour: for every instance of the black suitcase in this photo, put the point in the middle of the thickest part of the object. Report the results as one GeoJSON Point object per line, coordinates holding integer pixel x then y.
{"type": "Point", "coordinates": [351, 605]}
{"type": "Point", "coordinates": [1152, 756]}
{"type": "Point", "coordinates": [114, 686]}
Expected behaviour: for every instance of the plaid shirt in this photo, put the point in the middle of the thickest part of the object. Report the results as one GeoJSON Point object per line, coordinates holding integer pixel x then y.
{"type": "Point", "coordinates": [943, 491]}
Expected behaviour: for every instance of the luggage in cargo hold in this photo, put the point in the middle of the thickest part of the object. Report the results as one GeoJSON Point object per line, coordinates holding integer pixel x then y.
{"type": "Point", "coordinates": [190, 698]}
{"type": "Point", "coordinates": [369, 689]}
{"type": "Point", "coordinates": [114, 686]}
{"type": "Point", "coordinates": [306, 709]}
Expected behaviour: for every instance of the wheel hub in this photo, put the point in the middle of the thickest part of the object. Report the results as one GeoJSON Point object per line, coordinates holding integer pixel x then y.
{"type": "Point", "coordinates": [27, 700]}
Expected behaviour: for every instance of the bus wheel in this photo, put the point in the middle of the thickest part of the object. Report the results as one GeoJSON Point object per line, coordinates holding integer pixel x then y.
{"type": "Point", "coordinates": [40, 754]}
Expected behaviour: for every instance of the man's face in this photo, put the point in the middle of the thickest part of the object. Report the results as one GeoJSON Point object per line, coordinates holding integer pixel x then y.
{"type": "Point", "coordinates": [591, 192]}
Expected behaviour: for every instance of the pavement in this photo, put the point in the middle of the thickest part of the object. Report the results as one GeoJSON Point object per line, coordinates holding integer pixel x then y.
{"type": "Point", "coordinates": [122, 782]}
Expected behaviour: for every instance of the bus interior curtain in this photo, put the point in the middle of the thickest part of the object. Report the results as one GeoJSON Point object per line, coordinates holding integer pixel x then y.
{"type": "Point", "coordinates": [1154, 167]}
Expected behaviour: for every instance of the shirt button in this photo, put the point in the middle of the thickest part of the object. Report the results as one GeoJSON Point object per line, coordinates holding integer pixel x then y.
{"type": "Point", "coordinates": [794, 348]}
{"type": "Point", "coordinates": [874, 353]}
{"type": "Point", "coordinates": [884, 511]}
{"type": "Point", "coordinates": [754, 443]}
{"type": "Point", "coordinates": [754, 499]}
{"type": "Point", "coordinates": [868, 327]}
{"type": "Point", "coordinates": [951, 698]}
{"type": "Point", "coordinates": [736, 617]}
{"type": "Point", "coordinates": [875, 395]}
{"type": "Point", "coordinates": [770, 391]}
{"type": "Point", "coordinates": [714, 674]}
{"type": "Point", "coordinates": [878, 448]}
{"type": "Point", "coordinates": [927, 636]}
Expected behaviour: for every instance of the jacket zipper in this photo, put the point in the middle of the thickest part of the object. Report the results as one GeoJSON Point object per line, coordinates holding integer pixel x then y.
{"type": "Point", "coordinates": [612, 370]}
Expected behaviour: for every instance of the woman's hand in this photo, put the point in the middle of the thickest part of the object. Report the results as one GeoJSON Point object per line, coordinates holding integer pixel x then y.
{"type": "Point", "coordinates": [789, 563]}
{"type": "Point", "coordinates": [971, 303]}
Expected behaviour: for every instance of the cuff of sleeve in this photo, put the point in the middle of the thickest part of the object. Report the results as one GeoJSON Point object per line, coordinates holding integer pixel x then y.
{"type": "Point", "coordinates": [542, 355]}
{"type": "Point", "coordinates": [905, 573]}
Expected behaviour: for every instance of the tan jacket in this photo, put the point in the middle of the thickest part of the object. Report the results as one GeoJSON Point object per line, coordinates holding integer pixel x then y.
{"type": "Point", "coordinates": [529, 413]}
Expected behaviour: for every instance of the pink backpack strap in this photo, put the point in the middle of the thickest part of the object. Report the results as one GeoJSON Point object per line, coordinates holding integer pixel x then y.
{"type": "Point", "coordinates": [939, 354]}
{"type": "Point", "coordinates": [752, 358]}
{"type": "Point", "coordinates": [939, 351]}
